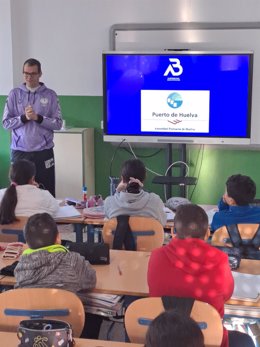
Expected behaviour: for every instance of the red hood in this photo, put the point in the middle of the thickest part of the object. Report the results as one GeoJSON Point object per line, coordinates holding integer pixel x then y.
{"type": "Point", "coordinates": [190, 255]}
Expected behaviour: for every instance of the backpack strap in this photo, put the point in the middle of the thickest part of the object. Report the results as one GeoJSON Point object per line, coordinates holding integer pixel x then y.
{"type": "Point", "coordinates": [249, 248]}
{"type": "Point", "coordinates": [236, 239]}
{"type": "Point", "coordinates": [256, 239]}
{"type": "Point", "coordinates": [182, 305]}
{"type": "Point", "coordinates": [123, 235]}
{"type": "Point", "coordinates": [234, 235]}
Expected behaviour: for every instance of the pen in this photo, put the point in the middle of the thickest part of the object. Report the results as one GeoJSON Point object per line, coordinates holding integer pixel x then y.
{"type": "Point", "coordinates": [119, 270]}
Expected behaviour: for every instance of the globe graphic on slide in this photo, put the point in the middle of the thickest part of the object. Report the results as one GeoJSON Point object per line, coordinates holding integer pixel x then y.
{"type": "Point", "coordinates": [174, 100]}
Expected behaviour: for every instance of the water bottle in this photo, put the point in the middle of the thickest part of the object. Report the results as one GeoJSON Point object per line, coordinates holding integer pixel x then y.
{"type": "Point", "coordinates": [84, 194]}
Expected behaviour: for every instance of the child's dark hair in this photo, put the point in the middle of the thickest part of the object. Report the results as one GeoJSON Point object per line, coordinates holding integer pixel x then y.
{"type": "Point", "coordinates": [133, 168]}
{"type": "Point", "coordinates": [241, 188]}
{"type": "Point", "coordinates": [40, 231]}
{"type": "Point", "coordinates": [21, 172]}
{"type": "Point", "coordinates": [171, 329]}
{"type": "Point", "coordinates": [190, 221]}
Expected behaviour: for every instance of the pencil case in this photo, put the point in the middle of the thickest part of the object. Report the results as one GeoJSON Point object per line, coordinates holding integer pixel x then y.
{"type": "Point", "coordinates": [13, 250]}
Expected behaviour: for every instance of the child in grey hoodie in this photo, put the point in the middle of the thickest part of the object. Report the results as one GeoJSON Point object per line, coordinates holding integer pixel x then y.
{"type": "Point", "coordinates": [130, 198]}
{"type": "Point", "coordinates": [47, 264]}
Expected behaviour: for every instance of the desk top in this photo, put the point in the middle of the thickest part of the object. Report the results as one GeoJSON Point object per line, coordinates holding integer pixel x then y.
{"type": "Point", "coordinates": [19, 225]}
{"type": "Point", "coordinates": [127, 274]}
{"type": "Point", "coordinates": [11, 340]}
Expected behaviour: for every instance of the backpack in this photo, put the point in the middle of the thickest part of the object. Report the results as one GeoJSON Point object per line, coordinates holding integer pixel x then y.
{"type": "Point", "coordinates": [249, 248]}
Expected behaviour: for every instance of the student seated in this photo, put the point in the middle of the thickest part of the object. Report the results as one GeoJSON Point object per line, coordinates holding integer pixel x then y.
{"type": "Point", "coordinates": [234, 206]}
{"type": "Point", "coordinates": [188, 266]}
{"type": "Point", "coordinates": [130, 198]}
{"type": "Point", "coordinates": [23, 197]}
{"type": "Point", "coordinates": [47, 264]}
{"type": "Point", "coordinates": [171, 329]}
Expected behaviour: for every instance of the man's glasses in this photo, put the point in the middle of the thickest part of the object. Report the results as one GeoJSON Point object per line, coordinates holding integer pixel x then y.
{"type": "Point", "coordinates": [31, 74]}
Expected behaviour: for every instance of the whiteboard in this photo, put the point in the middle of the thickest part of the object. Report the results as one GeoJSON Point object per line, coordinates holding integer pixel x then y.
{"type": "Point", "coordinates": [197, 36]}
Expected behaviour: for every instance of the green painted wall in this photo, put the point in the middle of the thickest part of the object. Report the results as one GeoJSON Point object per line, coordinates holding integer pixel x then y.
{"type": "Point", "coordinates": [212, 165]}
{"type": "Point", "coordinates": [4, 149]}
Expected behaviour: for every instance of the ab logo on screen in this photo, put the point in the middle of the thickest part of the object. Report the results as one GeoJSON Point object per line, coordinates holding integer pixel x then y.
{"type": "Point", "coordinates": [174, 100]}
{"type": "Point", "coordinates": [175, 68]}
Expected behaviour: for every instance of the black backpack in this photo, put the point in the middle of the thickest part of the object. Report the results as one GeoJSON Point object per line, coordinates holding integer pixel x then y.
{"type": "Point", "coordinates": [249, 248]}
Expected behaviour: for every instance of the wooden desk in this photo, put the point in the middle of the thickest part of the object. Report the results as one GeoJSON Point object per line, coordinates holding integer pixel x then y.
{"type": "Point", "coordinates": [78, 225]}
{"type": "Point", "coordinates": [127, 274]}
{"type": "Point", "coordinates": [93, 222]}
{"type": "Point", "coordinates": [16, 228]}
{"type": "Point", "coordinates": [16, 225]}
{"type": "Point", "coordinates": [11, 340]}
{"type": "Point", "coordinates": [133, 278]}
{"type": "Point", "coordinates": [248, 266]}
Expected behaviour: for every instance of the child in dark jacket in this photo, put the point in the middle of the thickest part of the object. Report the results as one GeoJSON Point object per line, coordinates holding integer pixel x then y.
{"type": "Point", "coordinates": [234, 206]}
{"type": "Point", "coordinates": [47, 264]}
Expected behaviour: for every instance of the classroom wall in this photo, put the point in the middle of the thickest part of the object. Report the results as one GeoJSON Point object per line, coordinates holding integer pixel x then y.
{"type": "Point", "coordinates": [68, 37]}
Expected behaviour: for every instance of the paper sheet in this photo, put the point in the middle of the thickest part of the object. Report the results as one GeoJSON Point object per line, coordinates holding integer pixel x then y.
{"type": "Point", "coordinates": [67, 211]}
{"type": "Point", "coordinates": [247, 286]}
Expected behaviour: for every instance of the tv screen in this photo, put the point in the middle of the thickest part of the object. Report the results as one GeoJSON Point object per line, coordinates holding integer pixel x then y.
{"type": "Point", "coordinates": [177, 97]}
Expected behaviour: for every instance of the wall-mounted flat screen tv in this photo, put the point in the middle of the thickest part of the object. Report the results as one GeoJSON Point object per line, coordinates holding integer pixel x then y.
{"type": "Point", "coordinates": [177, 97]}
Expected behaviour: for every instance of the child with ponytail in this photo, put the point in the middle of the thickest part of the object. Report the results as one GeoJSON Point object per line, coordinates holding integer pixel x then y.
{"type": "Point", "coordinates": [23, 197]}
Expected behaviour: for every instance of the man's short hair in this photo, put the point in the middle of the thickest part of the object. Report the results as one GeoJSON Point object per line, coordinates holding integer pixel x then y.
{"type": "Point", "coordinates": [40, 231]}
{"type": "Point", "coordinates": [33, 62]}
{"type": "Point", "coordinates": [241, 188]}
{"type": "Point", "coordinates": [191, 221]}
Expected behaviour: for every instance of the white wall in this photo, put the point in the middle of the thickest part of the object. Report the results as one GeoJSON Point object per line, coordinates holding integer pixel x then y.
{"type": "Point", "coordinates": [6, 70]}
{"type": "Point", "coordinates": [68, 36]}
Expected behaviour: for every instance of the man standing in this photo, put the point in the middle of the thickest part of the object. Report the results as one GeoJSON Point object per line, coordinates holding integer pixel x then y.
{"type": "Point", "coordinates": [32, 112]}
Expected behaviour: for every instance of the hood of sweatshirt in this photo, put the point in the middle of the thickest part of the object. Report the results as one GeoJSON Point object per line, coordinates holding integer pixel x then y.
{"type": "Point", "coordinates": [193, 256]}
{"type": "Point", "coordinates": [132, 201]}
{"type": "Point", "coordinates": [32, 95]}
{"type": "Point", "coordinates": [25, 89]}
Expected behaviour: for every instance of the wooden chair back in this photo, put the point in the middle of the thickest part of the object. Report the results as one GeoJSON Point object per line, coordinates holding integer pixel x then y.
{"type": "Point", "coordinates": [25, 303]}
{"type": "Point", "coordinates": [142, 311]}
{"type": "Point", "coordinates": [14, 229]}
{"type": "Point", "coordinates": [221, 236]}
{"type": "Point", "coordinates": [8, 238]}
{"type": "Point", "coordinates": [148, 232]}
